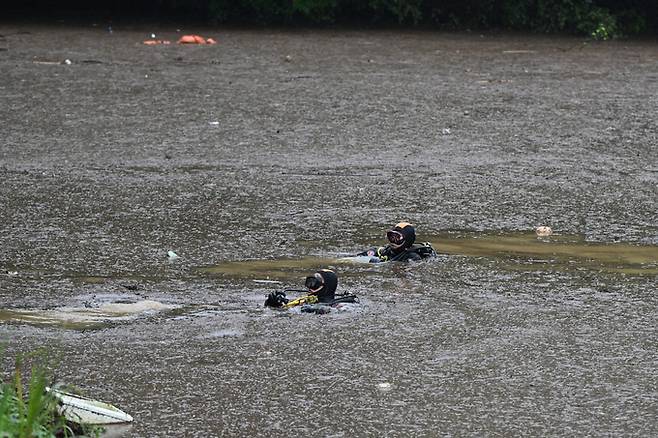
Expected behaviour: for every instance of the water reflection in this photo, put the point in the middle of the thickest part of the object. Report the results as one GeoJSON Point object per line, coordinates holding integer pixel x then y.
{"type": "Point", "coordinates": [517, 251]}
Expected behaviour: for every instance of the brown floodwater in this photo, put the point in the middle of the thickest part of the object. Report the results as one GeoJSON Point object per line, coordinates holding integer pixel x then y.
{"type": "Point", "coordinates": [275, 153]}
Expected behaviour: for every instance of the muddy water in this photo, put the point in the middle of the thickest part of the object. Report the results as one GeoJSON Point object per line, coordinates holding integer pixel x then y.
{"type": "Point", "coordinates": [238, 159]}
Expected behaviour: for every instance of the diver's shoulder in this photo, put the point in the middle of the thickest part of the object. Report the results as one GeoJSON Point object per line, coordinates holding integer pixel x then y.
{"type": "Point", "coordinates": [424, 249]}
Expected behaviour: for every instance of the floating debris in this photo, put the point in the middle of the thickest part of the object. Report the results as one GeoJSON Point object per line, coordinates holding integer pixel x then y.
{"type": "Point", "coordinates": [384, 386]}
{"type": "Point", "coordinates": [267, 281]}
{"type": "Point", "coordinates": [172, 255]}
{"type": "Point", "coordinates": [83, 410]}
{"type": "Point", "coordinates": [154, 42]}
{"type": "Point", "coordinates": [543, 231]}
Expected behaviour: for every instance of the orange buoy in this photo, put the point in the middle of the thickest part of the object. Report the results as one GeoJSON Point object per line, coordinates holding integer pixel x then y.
{"type": "Point", "coordinates": [195, 39]}
{"type": "Point", "coordinates": [187, 39]}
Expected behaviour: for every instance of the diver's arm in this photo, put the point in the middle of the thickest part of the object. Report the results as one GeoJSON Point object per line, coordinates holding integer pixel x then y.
{"type": "Point", "coordinates": [373, 253]}
{"type": "Point", "coordinates": [367, 252]}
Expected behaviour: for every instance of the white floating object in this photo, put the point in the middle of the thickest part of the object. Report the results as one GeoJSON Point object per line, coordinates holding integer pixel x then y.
{"type": "Point", "coordinates": [79, 409]}
{"type": "Point", "coordinates": [543, 231]}
{"type": "Point", "coordinates": [172, 255]}
{"type": "Point", "coordinates": [214, 123]}
{"type": "Point", "coordinates": [445, 131]}
{"type": "Point", "coordinates": [267, 281]}
{"type": "Point", "coordinates": [67, 62]}
{"type": "Point", "coordinates": [384, 386]}
{"type": "Point", "coordinates": [360, 259]}
{"type": "Point", "coordinates": [12, 273]}
{"type": "Point", "coordinates": [153, 35]}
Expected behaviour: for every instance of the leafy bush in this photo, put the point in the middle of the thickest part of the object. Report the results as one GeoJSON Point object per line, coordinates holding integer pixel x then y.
{"type": "Point", "coordinates": [599, 24]}
{"type": "Point", "coordinates": [600, 19]}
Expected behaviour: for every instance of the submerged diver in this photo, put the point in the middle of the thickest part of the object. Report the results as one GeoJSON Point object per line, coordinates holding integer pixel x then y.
{"type": "Point", "coordinates": [401, 246]}
{"type": "Point", "coordinates": [320, 295]}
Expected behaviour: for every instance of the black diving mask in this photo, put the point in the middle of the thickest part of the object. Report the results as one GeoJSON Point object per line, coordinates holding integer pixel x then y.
{"type": "Point", "coordinates": [314, 282]}
{"type": "Point", "coordinates": [395, 237]}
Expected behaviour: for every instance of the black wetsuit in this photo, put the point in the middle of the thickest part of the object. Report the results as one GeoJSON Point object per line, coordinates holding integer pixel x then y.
{"type": "Point", "coordinates": [319, 301]}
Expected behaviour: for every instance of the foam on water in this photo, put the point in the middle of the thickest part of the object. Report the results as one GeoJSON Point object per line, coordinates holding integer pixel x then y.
{"type": "Point", "coordinates": [85, 317]}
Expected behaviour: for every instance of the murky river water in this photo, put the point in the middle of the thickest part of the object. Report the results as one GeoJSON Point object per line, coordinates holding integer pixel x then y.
{"type": "Point", "coordinates": [253, 166]}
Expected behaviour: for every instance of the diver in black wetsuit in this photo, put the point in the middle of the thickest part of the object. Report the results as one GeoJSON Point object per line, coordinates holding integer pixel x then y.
{"type": "Point", "coordinates": [401, 246]}
{"type": "Point", "coordinates": [321, 294]}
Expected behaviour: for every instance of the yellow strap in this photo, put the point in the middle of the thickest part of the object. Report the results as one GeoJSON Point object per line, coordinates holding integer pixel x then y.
{"type": "Point", "coordinates": [308, 299]}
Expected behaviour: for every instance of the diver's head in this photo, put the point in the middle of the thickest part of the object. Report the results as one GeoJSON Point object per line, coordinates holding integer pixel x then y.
{"type": "Point", "coordinates": [401, 236]}
{"type": "Point", "coordinates": [323, 284]}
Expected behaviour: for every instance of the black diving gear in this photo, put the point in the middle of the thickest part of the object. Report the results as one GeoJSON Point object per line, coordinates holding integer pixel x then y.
{"type": "Point", "coordinates": [395, 237]}
{"type": "Point", "coordinates": [276, 299]}
{"type": "Point", "coordinates": [401, 246]}
{"type": "Point", "coordinates": [323, 284]}
{"type": "Point", "coordinates": [321, 291]}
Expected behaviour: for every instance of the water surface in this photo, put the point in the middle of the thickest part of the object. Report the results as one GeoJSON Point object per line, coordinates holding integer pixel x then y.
{"type": "Point", "coordinates": [252, 166]}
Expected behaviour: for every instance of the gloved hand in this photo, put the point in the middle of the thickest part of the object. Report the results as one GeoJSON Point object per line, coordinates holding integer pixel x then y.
{"type": "Point", "coordinates": [276, 299]}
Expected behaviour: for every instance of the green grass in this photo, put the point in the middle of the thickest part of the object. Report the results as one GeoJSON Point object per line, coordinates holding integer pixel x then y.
{"type": "Point", "coordinates": [34, 413]}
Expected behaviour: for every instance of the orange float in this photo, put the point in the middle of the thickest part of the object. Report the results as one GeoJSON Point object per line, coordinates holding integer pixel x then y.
{"type": "Point", "coordinates": [195, 39]}
{"type": "Point", "coordinates": [156, 42]}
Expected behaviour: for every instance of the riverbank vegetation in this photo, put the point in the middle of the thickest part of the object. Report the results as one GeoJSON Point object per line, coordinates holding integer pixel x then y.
{"type": "Point", "coordinates": [30, 411]}
{"type": "Point", "coordinates": [598, 19]}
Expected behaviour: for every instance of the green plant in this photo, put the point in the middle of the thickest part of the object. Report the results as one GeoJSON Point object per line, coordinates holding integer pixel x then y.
{"type": "Point", "coordinates": [600, 24]}
{"type": "Point", "coordinates": [29, 415]}
{"type": "Point", "coordinates": [600, 19]}
{"type": "Point", "coordinates": [34, 414]}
